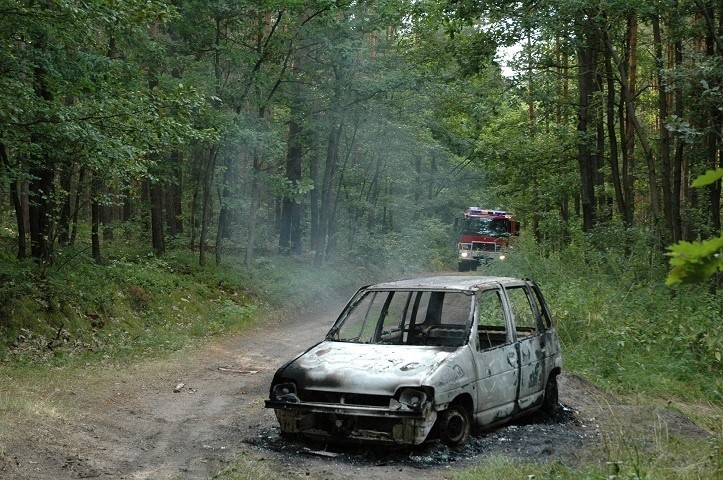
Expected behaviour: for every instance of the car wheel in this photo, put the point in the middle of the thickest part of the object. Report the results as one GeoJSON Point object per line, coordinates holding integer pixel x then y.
{"type": "Point", "coordinates": [551, 402]}
{"type": "Point", "coordinates": [462, 266]}
{"type": "Point", "coordinates": [454, 425]}
{"type": "Point", "coordinates": [290, 435]}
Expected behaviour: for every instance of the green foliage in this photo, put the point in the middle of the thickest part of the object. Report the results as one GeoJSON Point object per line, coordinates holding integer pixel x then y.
{"type": "Point", "coordinates": [621, 461]}
{"type": "Point", "coordinates": [133, 306]}
{"type": "Point", "coordinates": [694, 262]}
{"type": "Point", "coordinates": [620, 326]}
{"type": "Point", "coordinates": [711, 176]}
{"type": "Point", "coordinates": [422, 244]}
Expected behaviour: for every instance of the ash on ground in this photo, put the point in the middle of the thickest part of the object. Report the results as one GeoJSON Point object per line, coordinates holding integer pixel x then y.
{"type": "Point", "coordinates": [537, 437]}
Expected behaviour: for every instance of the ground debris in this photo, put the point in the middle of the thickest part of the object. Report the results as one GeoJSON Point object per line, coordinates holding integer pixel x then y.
{"type": "Point", "coordinates": [321, 453]}
{"type": "Point", "coordinates": [537, 437]}
{"type": "Point", "coordinates": [228, 369]}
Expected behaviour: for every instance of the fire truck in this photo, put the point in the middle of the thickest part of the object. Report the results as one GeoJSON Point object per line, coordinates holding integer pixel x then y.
{"type": "Point", "coordinates": [486, 235]}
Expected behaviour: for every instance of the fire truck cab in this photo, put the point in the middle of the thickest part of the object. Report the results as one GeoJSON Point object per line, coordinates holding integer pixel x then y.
{"type": "Point", "coordinates": [486, 235]}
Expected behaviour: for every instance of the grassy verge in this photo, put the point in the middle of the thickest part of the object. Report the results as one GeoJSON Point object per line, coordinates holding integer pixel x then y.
{"type": "Point", "coordinates": [623, 330]}
{"type": "Point", "coordinates": [84, 327]}
{"type": "Point", "coordinates": [139, 306]}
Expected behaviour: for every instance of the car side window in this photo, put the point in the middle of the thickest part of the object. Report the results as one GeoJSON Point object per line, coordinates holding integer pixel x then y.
{"type": "Point", "coordinates": [524, 314]}
{"type": "Point", "coordinates": [539, 300]}
{"type": "Point", "coordinates": [492, 326]}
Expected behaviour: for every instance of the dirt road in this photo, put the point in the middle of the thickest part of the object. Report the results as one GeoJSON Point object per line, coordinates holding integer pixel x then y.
{"type": "Point", "coordinates": [138, 427]}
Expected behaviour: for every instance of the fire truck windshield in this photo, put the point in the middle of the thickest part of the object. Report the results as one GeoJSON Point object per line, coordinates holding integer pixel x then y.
{"type": "Point", "coordinates": [491, 227]}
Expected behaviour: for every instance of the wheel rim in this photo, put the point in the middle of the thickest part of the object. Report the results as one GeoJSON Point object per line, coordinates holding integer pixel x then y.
{"type": "Point", "coordinates": [456, 426]}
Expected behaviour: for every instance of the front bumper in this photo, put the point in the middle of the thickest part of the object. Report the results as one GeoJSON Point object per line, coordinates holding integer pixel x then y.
{"type": "Point", "coordinates": [480, 252]}
{"type": "Point", "coordinates": [355, 422]}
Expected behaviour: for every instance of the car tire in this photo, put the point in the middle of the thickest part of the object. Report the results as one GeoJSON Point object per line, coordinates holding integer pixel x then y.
{"type": "Point", "coordinates": [454, 426]}
{"type": "Point", "coordinates": [551, 402]}
{"type": "Point", "coordinates": [293, 436]}
{"type": "Point", "coordinates": [463, 266]}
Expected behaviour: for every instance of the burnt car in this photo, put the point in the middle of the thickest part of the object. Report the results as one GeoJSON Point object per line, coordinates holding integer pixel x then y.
{"type": "Point", "coordinates": [422, 359]}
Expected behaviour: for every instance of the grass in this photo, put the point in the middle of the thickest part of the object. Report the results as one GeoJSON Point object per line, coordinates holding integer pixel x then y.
{"type": "Point", "coordinates": [140, 306]}
{"type": "Point", "coordinates": [82, 327]}
{"type": "Point", "coordinates": [623, 456]}
{"type": "Point", "coordinates": [620, 328]}
{"type": "Point", "coordinates": [650, 345]}
{"type": "Point", "coordinates": [627, 332]}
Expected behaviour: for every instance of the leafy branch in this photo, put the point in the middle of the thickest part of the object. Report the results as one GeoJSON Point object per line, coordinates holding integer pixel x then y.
{"type": "Point", "coordinates": [695, 262]}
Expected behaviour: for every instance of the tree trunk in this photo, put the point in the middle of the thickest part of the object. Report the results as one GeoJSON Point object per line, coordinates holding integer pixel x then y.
{"type": "Point", "coordinates": [20, 217]}
{"type": "Point", "coordinates": [155, 197]}
{"type": "Point", "coordinates": [76, 208]}
{"type": "Point", "coordinates": [223, 231]}
{"type": "Point", "coordinates": [676, 228]}
{"type": "Point", "coordinates": [327, 187]}
{"type": "Point", "coordinates": [612, 138]}
{"type": "Point", "coordinates": [208, 173]}
{"type": "Point", "coordinates": [197, 176]}
{"type": "Point", "coordinates": [290, 228]}
{"type": "Point", "coordinates": [40, 192]}
{"type": "Point", "coordinates": [586, 158]}
{"type": "Point", "coordinates": [174, 196]}
{"type": "Point", "coordinates": [627, 130]}
{"type": "Point", "coordinates": [315, 236]}
{"type": "Point", "coordinates": [642, 136]}
{"type": "Point", "coordinates": [66, 183]}
{"type": "Point", "coordinates": [255, 201]}
{"type": "Point", "coordinates": [95, 217]}
{"type": "Point", "coordinates": [15, 197]}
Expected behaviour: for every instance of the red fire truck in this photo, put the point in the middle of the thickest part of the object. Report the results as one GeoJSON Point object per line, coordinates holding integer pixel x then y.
{"type": "Point", "coordinates": [486, 235]}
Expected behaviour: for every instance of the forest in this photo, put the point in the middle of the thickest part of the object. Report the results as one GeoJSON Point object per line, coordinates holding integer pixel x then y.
{"type": "Point", "coordinates": [241, 141]}
{"type": "Point", "coordinates": [336, 128]}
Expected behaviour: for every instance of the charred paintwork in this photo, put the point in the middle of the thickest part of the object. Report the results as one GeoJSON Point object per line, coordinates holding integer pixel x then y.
{"type": "Point", "coordinates": [388, 381]}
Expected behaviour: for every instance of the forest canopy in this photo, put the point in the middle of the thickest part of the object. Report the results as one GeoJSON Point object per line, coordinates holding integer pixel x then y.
{"type": "Point", "coordinates": [350, 129]}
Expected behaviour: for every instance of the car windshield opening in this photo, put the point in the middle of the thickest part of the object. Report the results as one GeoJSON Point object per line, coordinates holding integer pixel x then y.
{"type": "Point", "coordinates": [403, 317]}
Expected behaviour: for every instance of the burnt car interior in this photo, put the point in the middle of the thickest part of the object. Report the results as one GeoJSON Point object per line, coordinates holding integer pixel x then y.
{"type": "Point", "coordinates": [430, 318]}
{"type": "Point", "coordinates": [492, 328]}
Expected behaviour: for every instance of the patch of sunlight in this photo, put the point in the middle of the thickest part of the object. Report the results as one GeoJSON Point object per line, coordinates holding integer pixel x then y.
{"type": "Point", "coordinates": [45, 409]}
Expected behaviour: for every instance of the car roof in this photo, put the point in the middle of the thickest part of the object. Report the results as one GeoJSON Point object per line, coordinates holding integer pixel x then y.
{"type": "Point", "coordinates": [447, 282]}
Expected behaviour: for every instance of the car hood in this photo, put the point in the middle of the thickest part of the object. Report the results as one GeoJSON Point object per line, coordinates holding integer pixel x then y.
{"type": "Point", "coordinates": [370, 369]}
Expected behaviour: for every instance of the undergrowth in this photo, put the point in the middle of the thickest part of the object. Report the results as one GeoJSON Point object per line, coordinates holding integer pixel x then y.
{"type": "Point", "coordinates": [137, 305]}
{"type": "Point", "coordinates": [622, 328]}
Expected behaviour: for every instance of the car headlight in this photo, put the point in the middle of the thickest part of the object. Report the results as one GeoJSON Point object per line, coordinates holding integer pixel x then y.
{"type": "Point", "coordinates": [502, 257]}
{"type": "Point", "coordinates": [464, 254]}
{"type": "Point", "coordinates": [409, 399]}
{"type": "Point", "coordinates": [285, 392]}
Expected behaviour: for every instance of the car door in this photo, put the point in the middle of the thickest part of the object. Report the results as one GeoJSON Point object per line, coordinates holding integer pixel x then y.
{"type": "Point", "coordinates": [529, 333]}
{"type": "Point", "coordinates": [496, 359]}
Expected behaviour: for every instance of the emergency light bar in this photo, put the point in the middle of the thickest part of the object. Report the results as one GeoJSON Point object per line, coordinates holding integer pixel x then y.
{"type": "Point", "coordinates": [474, 211]}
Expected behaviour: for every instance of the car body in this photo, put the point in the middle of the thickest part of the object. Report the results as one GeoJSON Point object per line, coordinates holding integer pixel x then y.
{"type": "Point", "coordinates": [414, 360]}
